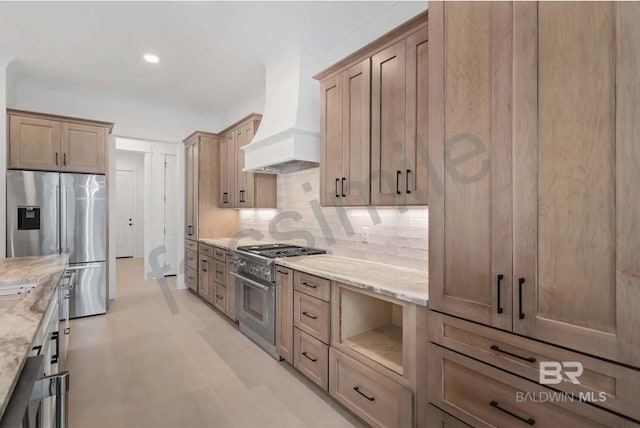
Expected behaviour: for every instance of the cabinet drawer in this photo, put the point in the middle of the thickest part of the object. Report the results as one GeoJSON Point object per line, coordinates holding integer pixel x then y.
{"type": "Point", "coordinates": [191, 259]}
{"type": "Point", "coordinates": [220, 275]}
{"type": "Point", "coordinates": [191, 278]}
{"type": "Point", "coordinates": [620, 385]}
{"type": "Point", "coordinates": [206, 250]}
{"type": "Point", "coordinates": [311, 315]}
{"type": "Point", "coordinates": [220, 297]}
{"type": "Point", "coordinates": [191, 245]}
{"type": "Point", "coordinates": [375, 398]}
{"type": "Point", "coordinates": [436, 418]}
{"type": "Point", "coordinates": [311, 357]}
{"type": "Point", "coordinates": [219, 254]}
{"type": "Point", "coordinates": [484, 396]}
{"type": "Point", "coordinates": [312, 285]}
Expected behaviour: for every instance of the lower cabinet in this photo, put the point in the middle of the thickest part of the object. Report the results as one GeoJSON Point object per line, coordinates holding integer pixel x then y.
{"type": "Point", "coordinates": [230, 308]}
{"type": "Point", "coordinates": [208, 272]}
{"type": "Point", "coordinates": [191, 279]}
{"type": "Point", "coordinates": [205, 277]}
{"type": "Point", "coordinates": [485, 396]}
{"type": "Point", "coordinates": [219, 297]}
{"type": "Point", "coordinates": [284, 313]}
{"type": "Point", "coordinates": [311, 358]}
{"type": "Point", "coordinates": [436, 418]}
{"type": "Point", "coordinates": [377, 399]}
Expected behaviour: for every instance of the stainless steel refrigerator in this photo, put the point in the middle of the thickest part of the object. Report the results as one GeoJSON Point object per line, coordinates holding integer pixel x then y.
{"type": "Point", "coordinates": [53, 213]}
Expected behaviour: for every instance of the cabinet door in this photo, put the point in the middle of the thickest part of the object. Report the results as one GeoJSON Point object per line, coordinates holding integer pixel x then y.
{"type": "Point", "coordinates": [416, 177]}
{"type": "Point", "coordinates": [331, 140]}
{"type": "Point", "coordinates": [249, 182]}
{"type": "Point", "coordinates": [188, 199]}
{"type": "Point", "coordinates": [84, 148]}
{"type": "Point", "coordinates": [577, 203]}
{"type": "Point", "coordinates": [205, 276]}
{"type": "Point", "coordinates": [470, 191]}
{"type": "Point", "coordinates": [231, 291]}
{"type": "Point", "coordinates": [34, 143]}
{"type": "Point", "coordinates": [226, 198]}
{"type": "Point", "coordinates": [195, 168]}
{"type": "Point", "coordinates": [284, 313]}
{"type": "Point", "coordinates": [356, 135]}
{"type": "Point", "coordinates": [388, 125]}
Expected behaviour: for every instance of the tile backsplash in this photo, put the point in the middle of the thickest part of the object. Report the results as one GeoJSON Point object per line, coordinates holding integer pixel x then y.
{"type": "Point", "coordinates": [397, 236]}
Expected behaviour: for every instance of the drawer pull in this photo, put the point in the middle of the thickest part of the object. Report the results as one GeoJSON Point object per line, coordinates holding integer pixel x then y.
{"type": "Point", "coordinates": [218, 296]}
{"type": "Point", "coordinates": [219, 272]}
{"type": "Point", "coordinates": [497, 349]}
{"type": "Point", "coordinates": [306, 314]}
{"type": "Point", "coordinates": [529, 421]}
{"type": "Point", "coordinates": [308, 357]}
{"type": "Point", "coordinates": [357, 389]}
{"type": "Point", "coordinates": [283, 272]}
{"type": "Point", "coordinates": [309, 285]}
{"type": "Point", "coordinates": [500, 278]}
{"type": "Point", "coordinates": [520, 284]}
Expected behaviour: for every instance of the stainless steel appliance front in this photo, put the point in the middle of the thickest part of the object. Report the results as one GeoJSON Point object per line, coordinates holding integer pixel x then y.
{"type": "Point", "coordinates": [53, 213]}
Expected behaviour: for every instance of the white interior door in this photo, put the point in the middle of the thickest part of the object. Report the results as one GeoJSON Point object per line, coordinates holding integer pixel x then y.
{"type": "Point", "coordinates": [170, 216]}
{"type": "Point", "coordinates": [125, 182]}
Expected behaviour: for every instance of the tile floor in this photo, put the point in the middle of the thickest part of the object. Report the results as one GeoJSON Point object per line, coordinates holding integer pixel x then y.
{"type": "Point", "coordinates": [163, 358]}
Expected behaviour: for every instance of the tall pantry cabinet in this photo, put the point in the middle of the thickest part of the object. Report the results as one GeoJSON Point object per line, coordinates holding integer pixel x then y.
{"type": "Point", "coordinates": [534, 130]}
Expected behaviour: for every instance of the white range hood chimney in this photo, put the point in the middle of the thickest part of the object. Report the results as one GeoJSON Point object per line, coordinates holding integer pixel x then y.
{"type": "Point", "coordinates": [288, 138]}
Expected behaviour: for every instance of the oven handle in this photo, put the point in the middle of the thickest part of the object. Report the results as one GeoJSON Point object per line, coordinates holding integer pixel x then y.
{"type": "Point", "coordinates": [251, 282]}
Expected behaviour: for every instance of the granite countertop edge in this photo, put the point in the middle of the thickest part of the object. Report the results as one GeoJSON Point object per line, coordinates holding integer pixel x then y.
{"type": "Point", "coordinates": [20, 323]}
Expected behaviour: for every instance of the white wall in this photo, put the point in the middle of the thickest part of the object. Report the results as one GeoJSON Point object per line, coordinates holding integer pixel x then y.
{"type": "Point", "coordinates": [135, 118]}
{"type": "Point", "coordinates": [254, 104]}
{"type": "Point", "coordinates": [134, 161]}
{"type": "Point", "coordinates": [5, 89]}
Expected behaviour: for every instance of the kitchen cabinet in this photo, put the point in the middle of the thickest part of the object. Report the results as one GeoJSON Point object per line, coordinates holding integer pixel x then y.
{"type": "Point", "coordinates": [284, 313]}
{"type": "Point", "coordinates": [470, 195]}
{"type": "Point", "coordinates": [373, 122]}
{"type": "Point", "coordinates": [239, 189]}
{"type": "Point", "coordinates": [56, 143]}
{"type": "Point", "coordinates": [203, 218]}
{"type": "Point", "coordinates": [230, 309]}
{"type": "Point", "coordinates": [546, 153]}
{"type": "Point", "coordinates": [346, 135]}
{"type": "Point", "coordinates": [206, 286]}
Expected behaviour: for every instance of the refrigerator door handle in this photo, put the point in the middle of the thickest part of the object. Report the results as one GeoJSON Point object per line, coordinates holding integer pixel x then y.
{"type": "Point", "coordinates": [59, 220]}
{"type": "Point", "coordinates": [63, 220]}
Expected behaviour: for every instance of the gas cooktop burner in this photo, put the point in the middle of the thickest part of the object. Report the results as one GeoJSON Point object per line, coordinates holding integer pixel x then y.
{"type": "Point", "coordinates": [273, 251]}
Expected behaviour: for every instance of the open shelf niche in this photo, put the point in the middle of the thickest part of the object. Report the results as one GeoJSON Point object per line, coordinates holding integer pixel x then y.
{"type": "Point", "coordinates": [372, 327]}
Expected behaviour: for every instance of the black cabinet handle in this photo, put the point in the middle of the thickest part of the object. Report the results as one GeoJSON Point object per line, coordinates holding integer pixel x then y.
{"type": "Point", "coordinates": [497, 349]}
{"type": "Point", "coordinates": [309, 358]}
{"type": "Point", "coordinates": [206, 263]}
{"type": "Point", "coordinates": [284, 272]}
{"type": "Point", "coordinates": [64, 159]}
{"type": "Point", "coordinates": [219, 272]}
{"type": "Point", "coordinates": [407, 180]}
{"type": "Point", "coordinates": [67, 330]}
{"type": "Point", "coordinates": [218, 296]}
{"type": "Point", "coordinates": [337, 182]}
{"type": "Point", "coordinates": [500, 278]}
{"type": "Point", "coordinates": [56, 336]}
{"type": "Point", "coordinates": [529, 421]}
{"type": "Point", "coordinates": [343, 179]}
{"type": "Point", "coordinates": [357, 389]}
{"type": "Point", "coordinates": [56, 158]}
{"type": "Point", "coordinates": [225, 197]}
{"type": "Point", "coordinates": [398, 173]}
{"type": "Point", "coordinates": [309, 285]}
{"type": "Point", "coordinates": [37, 348]}
{"type": "Point", "coordinates": [520, 284]}
{"type": "Point", "coordinates": [313, 317]}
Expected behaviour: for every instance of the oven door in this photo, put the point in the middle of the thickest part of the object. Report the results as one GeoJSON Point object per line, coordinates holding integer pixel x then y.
{"type": "Point", "coordinates": [256, 304]}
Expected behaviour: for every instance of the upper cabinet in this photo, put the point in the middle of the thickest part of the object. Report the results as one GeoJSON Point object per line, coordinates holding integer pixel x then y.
{"type": "Point", "coordinates": [240, 189]}
{"type": "Point", "coordinates": [203, 218]}
{"type": "Point", "coordinates": [532, 211]}
{"type": "Point", "coordinates": [54, 143]}
{"type": "Point", "coordinates": [373, 122]}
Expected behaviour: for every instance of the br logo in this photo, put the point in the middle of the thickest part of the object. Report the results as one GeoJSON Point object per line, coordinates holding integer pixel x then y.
{"type": "Point", "coordinates": [551, 372]}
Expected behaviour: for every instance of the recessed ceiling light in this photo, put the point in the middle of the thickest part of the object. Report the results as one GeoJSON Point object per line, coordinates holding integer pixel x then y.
{"type": "Point", "coordinates": [151, 58]}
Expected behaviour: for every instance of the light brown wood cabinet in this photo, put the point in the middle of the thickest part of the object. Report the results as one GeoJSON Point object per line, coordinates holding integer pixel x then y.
{"type": "Point", "coordinates": [239, 189]}
{"type": "Point", "coordinates": [373, 122]}
{"type": "Point", "coordinates": [203, 218]}
{"type": "Point", "coordinates": [284, 313]}
{"type": "Point", "coordinates": [521, 142]}
{"type": "Point", "coordinates": [230, 309]}
{"type": "Point", "coordinates": [56, 143]}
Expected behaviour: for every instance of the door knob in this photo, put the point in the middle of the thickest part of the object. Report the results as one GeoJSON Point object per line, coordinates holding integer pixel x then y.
{"type": "Point", "coordinates": [130, 224]}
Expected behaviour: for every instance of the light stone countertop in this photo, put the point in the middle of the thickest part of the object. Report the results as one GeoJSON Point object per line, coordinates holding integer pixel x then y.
{"type": "Point", "coordinates": [409, 285]}
{"type": "Point", "coordinates": [232, 243]}
{"type": "Point", "coordinates": [20, 322]}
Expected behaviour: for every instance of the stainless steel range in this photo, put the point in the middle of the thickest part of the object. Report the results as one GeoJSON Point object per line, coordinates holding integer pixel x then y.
{"type": "Point", "coordinates": [254, 273]}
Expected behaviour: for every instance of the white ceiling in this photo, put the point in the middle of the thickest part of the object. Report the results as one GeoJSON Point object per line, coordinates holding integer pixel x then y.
{"type": "Point", "coordinates": [209, 51]}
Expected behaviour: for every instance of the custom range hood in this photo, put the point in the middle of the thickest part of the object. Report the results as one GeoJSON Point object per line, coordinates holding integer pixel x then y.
{"type": "Point", "coordinates": [288, 138]}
